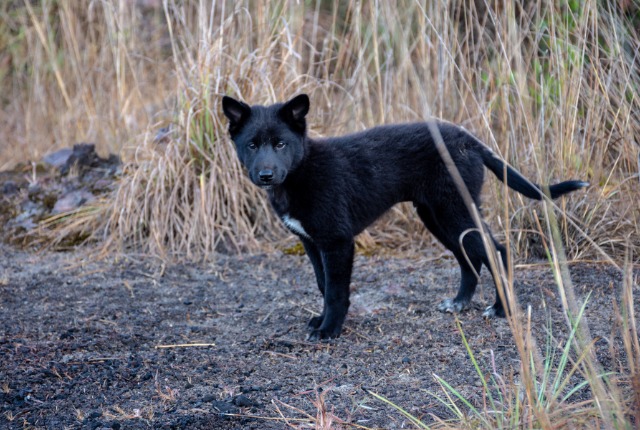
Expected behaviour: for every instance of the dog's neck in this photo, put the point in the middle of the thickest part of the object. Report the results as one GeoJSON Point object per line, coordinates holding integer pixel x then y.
{"type": "Point", "coordinates": [279, 198]}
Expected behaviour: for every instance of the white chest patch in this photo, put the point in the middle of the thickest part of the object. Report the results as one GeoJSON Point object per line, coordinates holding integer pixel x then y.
{"type": "Point", "coordinates": [295, 226]}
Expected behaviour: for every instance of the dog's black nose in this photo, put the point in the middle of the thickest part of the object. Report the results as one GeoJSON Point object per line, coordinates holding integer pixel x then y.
{"type": "Point", "coordinates": [266, 175]}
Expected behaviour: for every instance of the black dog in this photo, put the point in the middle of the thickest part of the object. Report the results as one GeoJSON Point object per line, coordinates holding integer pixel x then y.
{"type": "Point", "coordinates": [328, 190]}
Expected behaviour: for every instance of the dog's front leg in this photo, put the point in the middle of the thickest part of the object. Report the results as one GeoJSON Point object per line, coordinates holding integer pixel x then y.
{"type": "Point", "coordinates": [316, 260]}
{"type": "Point", "coordinates": [337, 261]}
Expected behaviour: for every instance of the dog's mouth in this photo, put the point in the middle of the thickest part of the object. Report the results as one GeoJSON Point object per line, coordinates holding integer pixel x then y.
{"type": "Point", "coordinates": [267, 183]}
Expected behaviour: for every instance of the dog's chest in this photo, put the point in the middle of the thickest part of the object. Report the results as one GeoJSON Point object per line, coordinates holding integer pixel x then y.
{"type": "Point", "coordinates": [280, 202]}
{"type": "Point", "coordinates": [295, 226]}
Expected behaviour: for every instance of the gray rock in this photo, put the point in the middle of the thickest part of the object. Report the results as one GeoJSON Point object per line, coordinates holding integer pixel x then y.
{"type": "Point", "coordinates": [58, 159]}
{"type": "Point", "coordinates": [72, 200]}
{"type": "Point", "coordinates": [9, 188]}
{"type": "Point", "coordinates": [30, 213]}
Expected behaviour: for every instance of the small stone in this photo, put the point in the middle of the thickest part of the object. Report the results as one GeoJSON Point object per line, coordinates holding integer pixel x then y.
{"type": "Point", "coordinates": [93, 415]}
{"type": "Point", "coordinates": [57, 159]}
{"type": "Point", "coordinates": [34, 191]}
{"type": "Point", "coordinates": [243, 401]}
{"type": "Point", "coordinates": [406, 360]}
{"type": "Point", "coordinates": [101, 185]}
{"type": "Point", "coordinates": [72, 200]}
{"type": "Point", "coordinates": [9, 188]}
{"type": "Point", "coordinates": [225, 407]}
{"type": "Point", "coordinates": [208, 398]}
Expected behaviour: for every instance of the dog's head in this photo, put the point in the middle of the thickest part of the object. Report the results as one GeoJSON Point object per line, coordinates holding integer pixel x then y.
{"type": "Point", "coordinates": [269, 139]}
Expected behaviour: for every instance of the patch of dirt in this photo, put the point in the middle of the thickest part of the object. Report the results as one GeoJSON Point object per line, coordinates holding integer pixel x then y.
{"type": "Point", "coordinates": [94, 344]}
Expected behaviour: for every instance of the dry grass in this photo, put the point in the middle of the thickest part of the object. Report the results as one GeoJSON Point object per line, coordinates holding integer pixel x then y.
{"type": "Point", "coordinates": [77, 71]}
{"type": "Point", "coordinates": [553, 89]}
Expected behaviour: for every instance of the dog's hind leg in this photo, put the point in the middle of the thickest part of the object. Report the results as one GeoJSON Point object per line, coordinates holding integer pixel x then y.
{"type": "Point", "coordinates": [469, 269]}
{"type": "Point", "coordinates": [497, 309]}
{"type": "Point", "coordinates": [316, 261]}
{"type": "Point", "coordinates": [470, 256]}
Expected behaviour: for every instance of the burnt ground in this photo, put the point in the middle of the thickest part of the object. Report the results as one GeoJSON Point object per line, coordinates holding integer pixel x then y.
{"type": "Point", "coordinates": [88, 343]}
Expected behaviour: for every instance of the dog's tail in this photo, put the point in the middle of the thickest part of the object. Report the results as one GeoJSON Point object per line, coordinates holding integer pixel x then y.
{"type": "Point", "coordinates": [516, 181]}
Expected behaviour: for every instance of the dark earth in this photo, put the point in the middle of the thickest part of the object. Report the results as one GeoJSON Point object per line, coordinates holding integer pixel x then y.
{"type": "Point", "coordinates": [131, 343]}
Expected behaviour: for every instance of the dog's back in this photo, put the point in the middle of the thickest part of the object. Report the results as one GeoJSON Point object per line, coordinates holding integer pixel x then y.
{"type": "Point", "coordinates": [388, 164]}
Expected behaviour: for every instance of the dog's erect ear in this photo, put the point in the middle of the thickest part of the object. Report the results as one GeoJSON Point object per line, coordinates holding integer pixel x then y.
{"type": "Point", "coordinates": [294, 111]}
{"type": "Point", "coordinates": [297, 107]}
{"type": "Point", "coordinates": [236, 111]}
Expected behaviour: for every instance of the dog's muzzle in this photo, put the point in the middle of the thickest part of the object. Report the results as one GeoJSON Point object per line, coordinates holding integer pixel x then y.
{"type": "Point", "coordinates": [266, 176]}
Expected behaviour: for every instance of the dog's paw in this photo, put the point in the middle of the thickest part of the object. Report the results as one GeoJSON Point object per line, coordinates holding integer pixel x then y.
{"type": "Point", "coordinates": [453, 307]}
{"type": "Point", "coordinates": [315, 322]}
{"type": "Point", "coordinates": [493, 312]}
{"type": "Point", "coordinates": [490, 312]}
{"type": "Point", "coordinates": [323, 334]}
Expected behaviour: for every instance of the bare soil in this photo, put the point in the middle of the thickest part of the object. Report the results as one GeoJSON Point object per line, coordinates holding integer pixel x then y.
{"type": "Point", "coordinates": [89, 343]}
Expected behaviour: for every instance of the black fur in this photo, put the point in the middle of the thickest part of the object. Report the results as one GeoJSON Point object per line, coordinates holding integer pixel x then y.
{"type": "Point", "coordinates": [329, 190]}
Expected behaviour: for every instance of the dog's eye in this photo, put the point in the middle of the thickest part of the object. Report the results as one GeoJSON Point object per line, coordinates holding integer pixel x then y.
{"type": "Point", "coordinates": [280, 145]}
{"type": "Point", "coordinates": [251, 145]}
